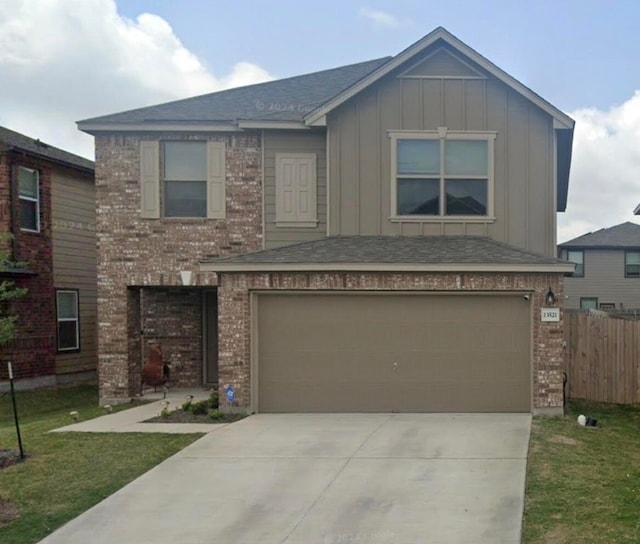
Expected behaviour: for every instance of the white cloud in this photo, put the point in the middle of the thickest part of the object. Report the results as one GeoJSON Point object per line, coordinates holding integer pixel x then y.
{"type": "Point", "coordinates": [605, 172]}
{"type": "Point", "coordinates": [65, 60]}
{"type": "Point", "coordinates": [380, 18]}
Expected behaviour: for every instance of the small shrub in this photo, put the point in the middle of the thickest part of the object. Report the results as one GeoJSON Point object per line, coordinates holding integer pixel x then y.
{"type": "Point", "coordinates": [216, 415]}
{"type": "Point", "coordinates": [186, 406]}
{"type": "Point", "coordinates": [213, 400]}
{"type": "Point", "coordinates": [199, 408]}
{"type": "Point", "coordinates": [164, 413]}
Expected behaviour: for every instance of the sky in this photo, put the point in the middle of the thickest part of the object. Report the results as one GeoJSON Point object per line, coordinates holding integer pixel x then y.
{"type": "Point", "coordinates": [66, 60]}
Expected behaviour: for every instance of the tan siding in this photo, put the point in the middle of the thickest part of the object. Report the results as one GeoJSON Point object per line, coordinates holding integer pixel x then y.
{"type": "Point", "coordinates": [74, 261]}
{"type": "Point", "coordinates": [523, 182]}
{"type": "Point", "coordinates": [603, 279]}
{"type": "Point", "coordinates": [293, 142]}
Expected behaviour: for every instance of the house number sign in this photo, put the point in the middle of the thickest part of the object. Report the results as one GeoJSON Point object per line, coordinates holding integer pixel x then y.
{"type": "Point", "coordinates": [550, 314]}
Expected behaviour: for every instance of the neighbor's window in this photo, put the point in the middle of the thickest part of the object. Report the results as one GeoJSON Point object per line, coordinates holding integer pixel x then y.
{"type": "Point", "coordinates": [29, 196]}
{"type": "Point", "coordinates": [435, 175]}
{"type": "Point", "coordinates": [607, 306]}
{"type": "Point", "coordinates": [632, 264]}
{"type": "Point", "coordinates": [185, 179]}
{"type": "Point", "coordinates": [68, 320]}
{"type": "Point", "coordinates": [588, 303]}
{"type": "Point", "coordinates": [576, 257]}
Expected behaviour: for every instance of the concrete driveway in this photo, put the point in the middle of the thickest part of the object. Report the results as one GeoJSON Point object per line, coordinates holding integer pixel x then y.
{"type": "Point", "coordinates": [327, 479]}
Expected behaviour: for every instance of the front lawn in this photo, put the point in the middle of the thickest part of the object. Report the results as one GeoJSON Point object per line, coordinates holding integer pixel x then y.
{"type": "Point", "coordinates": [67, 473]}
{"type": "Point", "coordinates": [583, 483]}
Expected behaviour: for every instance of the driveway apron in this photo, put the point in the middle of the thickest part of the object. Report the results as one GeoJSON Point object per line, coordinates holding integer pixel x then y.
{"type": "Point", "coordinates": [327, 479]}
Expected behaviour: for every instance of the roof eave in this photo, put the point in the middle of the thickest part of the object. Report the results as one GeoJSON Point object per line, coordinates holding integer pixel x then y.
{"type": "Point", "coordinates": [561, 119]}
{"type": "Point", "coordinates": [222, 267]}
{"type": "Point", "coordinates": [42, 156]}
{"type": "Point", "coordinates": [155, 126]}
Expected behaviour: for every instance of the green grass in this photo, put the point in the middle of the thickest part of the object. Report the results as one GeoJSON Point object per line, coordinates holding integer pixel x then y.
{"type": "Point", "coordinates": [67, 473]}
{"type": "Point", "coordinates": [583, 483]}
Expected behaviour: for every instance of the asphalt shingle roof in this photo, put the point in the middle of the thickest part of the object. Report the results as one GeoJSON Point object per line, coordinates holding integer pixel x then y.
{"type": "Point", "coordinates": [623, 235]}
{"type": "Point", "coordinates": [287, 99]}
{"type": "Point", "coordinates": [396, 249]}
{"type": "Point", "coordinates": [36, 147]}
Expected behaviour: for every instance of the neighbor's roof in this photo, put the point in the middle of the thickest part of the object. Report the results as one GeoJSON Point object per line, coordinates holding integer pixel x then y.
{"type": "Point", "coordinates": [15, 140]}
{"type": "Point", "coordinates": [620, 236]}
{"type": "Point", "coordinates": [287, 99]}
{"type": "Point", "coordinates": [444, 253]}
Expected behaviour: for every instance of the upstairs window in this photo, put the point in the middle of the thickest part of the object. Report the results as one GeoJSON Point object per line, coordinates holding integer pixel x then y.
{"type": "Point", "coordinates": [29, 196]}
{"type": "Point", "coordinates": [182, 179]}
{"type": "Point", "coordinates": [442, 174]}
{"type": "Point", "coordinates": [632, 264]}
{"type": "Point", "coordinates": [185, 179]}
{"type": "Point", "coordinates": [577, 258]}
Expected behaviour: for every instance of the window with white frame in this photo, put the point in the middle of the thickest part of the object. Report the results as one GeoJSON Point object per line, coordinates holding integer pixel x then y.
{"type": "Point", "coordinates": [185, 179]}
{"type": "Point", "coordinates": [29, 196]}
{"type": "Point", "coordinates": [576, 257]}
{"type": "Point", "coordinates": [632, 264]}
{"type": "Point", "coordinates": [442, 174]}
{"type": "Point", "coordinates": [68, 318]}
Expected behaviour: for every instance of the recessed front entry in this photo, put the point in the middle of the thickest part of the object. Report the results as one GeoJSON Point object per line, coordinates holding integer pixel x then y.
{"type": "Point", "coordinates": [413, 352]}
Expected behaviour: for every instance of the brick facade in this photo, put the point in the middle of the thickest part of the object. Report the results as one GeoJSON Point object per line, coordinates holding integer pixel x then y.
{"type": "Point", "coordinates": [33, 351]}
{"type": "Point", "coordinates": [136, 252]}
{"type": "Point", "coordinates": [234, 363]}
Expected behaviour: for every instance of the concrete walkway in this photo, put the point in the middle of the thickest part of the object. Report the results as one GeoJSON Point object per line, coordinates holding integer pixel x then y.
{"type": "Point", "coordinates": [130, 420]}
{"type": "Point", "coordinates": [327, 479]}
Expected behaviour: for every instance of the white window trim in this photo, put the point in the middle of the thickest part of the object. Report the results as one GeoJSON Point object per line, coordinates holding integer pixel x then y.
{"type": "Point", "coordinates": [443, 133]}
{"type": "Point", "coordinates": [31, 199]}
{"type": "Point", "coordinates": [67, 319]}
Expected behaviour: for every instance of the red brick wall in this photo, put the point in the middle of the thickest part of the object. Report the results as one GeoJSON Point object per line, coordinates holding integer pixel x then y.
{"type": "Point", "coordinates": [234, 364]}
{"type": "Point", "coordinates": [33, 351]}
{"type": "Point", "coordinates": [151, 252]}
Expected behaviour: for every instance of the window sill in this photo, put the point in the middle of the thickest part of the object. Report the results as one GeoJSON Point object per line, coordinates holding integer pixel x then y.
{"type": "Point", "coordinates": [296, 224]}
{"type": "Point", "coordinates": [441, 219]}
{"type": "Point", "coordinates": [31, 231]}
{"type": "Point", "coordinates": [185, 219]}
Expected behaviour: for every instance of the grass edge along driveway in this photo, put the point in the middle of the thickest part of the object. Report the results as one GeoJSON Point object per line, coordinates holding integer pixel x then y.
{"type": "Point", "coordinates": [67, 473]}
{"type": "Point", "coordinates": [583, 483]}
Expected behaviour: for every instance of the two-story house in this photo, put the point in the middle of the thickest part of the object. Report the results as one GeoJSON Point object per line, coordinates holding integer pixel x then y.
{"type": "Point", "coordinates": [607, 269]}
{"type": "Point", "coordinates": [47, 224]}
{"type": "Point", "coordinates": [376, 237]}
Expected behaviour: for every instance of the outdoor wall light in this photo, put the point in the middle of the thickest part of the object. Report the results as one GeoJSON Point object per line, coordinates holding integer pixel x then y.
{"type": "Point", "coordinates": [185, 277]}
{"type": "Point", "coordinates": [550, 298]}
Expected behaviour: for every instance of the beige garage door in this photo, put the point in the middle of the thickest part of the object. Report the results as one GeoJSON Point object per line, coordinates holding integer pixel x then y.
{"type": "Point", "coordinates": [393, 353]}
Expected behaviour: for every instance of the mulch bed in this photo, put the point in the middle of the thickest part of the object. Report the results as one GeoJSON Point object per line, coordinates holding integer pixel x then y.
{"type": "Point", "coordinates": [8, 512]}
{"type": "Point", "coordinates": [180, 416]}
{"type": "Point", "coordinates": [8, 458]}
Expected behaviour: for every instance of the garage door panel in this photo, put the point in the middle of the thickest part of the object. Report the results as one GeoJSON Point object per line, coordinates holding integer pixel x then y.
{"type": "Point", "coordinates": [342, 352]}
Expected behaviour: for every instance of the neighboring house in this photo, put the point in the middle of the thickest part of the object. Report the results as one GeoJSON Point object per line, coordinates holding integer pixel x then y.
{"type": "Point", "coordinates": [607, 269]}
{"type": "Point", "coordinates": [376, 237]}
{"type": "Point", "coordinates": [47, 217]}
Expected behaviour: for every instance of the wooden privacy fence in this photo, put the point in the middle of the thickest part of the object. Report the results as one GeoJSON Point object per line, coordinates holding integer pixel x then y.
{"type": "Point", "coordinates": [602, 357]}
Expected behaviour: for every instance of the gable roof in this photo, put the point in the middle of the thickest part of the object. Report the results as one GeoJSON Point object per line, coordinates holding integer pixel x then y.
{"type": "Point", "coordinates": [281, 100]}
{"type": "Point", "coordinates": [625, 235]}
{"type": "Point", "coordinates": [16, 141]}
{"type": "Point", "coordinates": [440, 34]}
{"type": "Point", "coordinates": [434, 253]}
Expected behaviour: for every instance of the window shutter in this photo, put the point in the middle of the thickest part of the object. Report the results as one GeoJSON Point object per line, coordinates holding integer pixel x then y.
{"type": "Point", "coordinates": [150, 179]}
{"type": "Point", "coordinates": [296, 191]}
{"type": "Point", "coordinates": [216, 170]}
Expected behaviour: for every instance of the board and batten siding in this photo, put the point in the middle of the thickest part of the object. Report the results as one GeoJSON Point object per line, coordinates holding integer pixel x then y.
{"type": "Point", "coordinates": [603, 279]}
{"type": "Point", "coordinates": [74, 261]}
{"type": "Point", "coordinates": [293, 142]}
{"type": "Point", "coordinates": [360, 149]}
